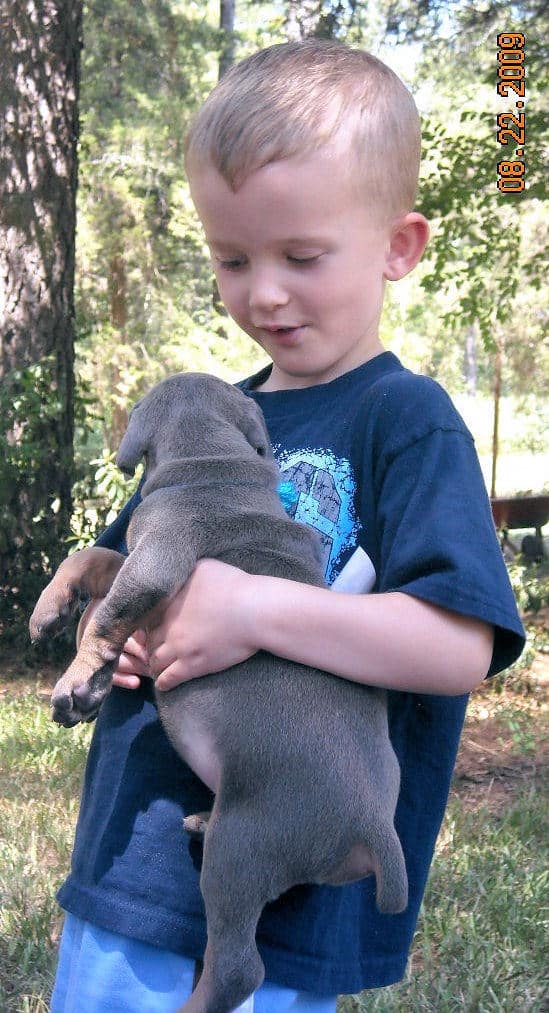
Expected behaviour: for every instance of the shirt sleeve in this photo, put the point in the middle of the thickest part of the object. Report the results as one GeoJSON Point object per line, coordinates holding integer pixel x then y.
{"type": "Point", "coordinates": [114, 536]}
{"type": "Point", "coordinates": [434, 532]}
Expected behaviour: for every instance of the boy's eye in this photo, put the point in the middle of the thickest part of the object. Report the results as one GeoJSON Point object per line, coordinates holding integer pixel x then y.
{"type": "Point", "coordinates": [230, 263]}
{"type": "Point", "coordinates": [310, 259]}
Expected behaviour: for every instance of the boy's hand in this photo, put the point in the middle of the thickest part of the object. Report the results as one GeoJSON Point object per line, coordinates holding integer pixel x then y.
{"type": "Point", "coordinates": [205, 627]}
{"type": "Point", "coordinates": [133, 664]}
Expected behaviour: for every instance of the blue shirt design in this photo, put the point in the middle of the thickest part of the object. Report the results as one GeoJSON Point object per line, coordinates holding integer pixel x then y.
{"type": "Point", "coordinates": [325, 500]}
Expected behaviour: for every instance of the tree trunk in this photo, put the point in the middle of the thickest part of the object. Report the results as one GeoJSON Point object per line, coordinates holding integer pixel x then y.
{"type": "Point", "coordinates": [226, 25]}
{"type": "Point", "coordinates": [119, 320]}
{"type": "Point", "coordinates": [40, 42]}
{"type": "Point", "coordinates": [495, 426]}
{"type": "Point", "coordinates": [471, 361]}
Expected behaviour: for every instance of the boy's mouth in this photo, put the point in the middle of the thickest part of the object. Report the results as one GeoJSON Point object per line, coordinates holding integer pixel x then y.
{"type": "Point", "coordinates": [284, 335]}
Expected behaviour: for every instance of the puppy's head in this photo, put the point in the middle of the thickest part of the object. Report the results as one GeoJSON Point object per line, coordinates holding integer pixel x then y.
{"type": "Point", "coordinates": [192, 415]}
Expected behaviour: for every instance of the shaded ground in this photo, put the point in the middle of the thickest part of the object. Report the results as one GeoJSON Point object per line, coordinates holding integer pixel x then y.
{"type": "Point", "coordinates": [505, 741]}
{"type": "Point", "coordinates": [493, 766]}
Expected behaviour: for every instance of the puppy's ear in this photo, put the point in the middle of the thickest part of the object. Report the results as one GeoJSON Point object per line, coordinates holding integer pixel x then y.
{"type": "Point", "coordinates": [252, 424]}
{"type": "Point", "coordinates": [132, 447]}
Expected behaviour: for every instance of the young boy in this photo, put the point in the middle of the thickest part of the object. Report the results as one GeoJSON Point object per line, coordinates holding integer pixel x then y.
{"type": "Point", "coordinates": [303, 166]}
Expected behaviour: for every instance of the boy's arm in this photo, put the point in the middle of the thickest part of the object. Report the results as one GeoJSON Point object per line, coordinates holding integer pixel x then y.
{"type": "Point", "coordinates": [393, 640]}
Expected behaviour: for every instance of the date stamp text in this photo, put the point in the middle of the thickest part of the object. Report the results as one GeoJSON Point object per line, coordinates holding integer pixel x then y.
{"type": "Point", "coordinates": [511, 126]}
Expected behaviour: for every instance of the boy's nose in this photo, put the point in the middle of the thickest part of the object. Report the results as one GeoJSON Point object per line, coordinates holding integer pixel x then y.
{"type": "Point", "coordinates": [266, 292]}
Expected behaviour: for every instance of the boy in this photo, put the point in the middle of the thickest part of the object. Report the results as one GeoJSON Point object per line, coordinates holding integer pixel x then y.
{"type": "Point", "coordinates": [303, 167]}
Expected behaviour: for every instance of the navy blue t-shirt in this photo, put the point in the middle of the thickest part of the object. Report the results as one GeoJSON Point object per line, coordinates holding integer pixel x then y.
{"type": "Point", "coordinates": [378, 459]}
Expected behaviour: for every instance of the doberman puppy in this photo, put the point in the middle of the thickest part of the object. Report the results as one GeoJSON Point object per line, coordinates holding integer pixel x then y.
{"type": "Point", "coordinates": [304, 775]}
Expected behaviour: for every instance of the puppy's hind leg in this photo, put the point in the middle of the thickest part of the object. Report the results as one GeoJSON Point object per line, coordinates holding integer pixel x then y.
{"type": "Point", "coordinates": [236, 883]}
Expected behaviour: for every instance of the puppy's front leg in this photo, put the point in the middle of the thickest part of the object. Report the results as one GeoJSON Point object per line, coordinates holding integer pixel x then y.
{"type": "Point", "coordinates": [78, 694]}
{"type": "Point", "coordinates": [143, 584]}
{"type": "Point", "coordinates": [88, 573]}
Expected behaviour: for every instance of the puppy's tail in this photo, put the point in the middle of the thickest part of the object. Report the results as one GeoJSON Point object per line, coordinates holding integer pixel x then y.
{"type": "Point", "coordinates": [380, 854]}
{"type": "Point", "coordinates": [391, 876]}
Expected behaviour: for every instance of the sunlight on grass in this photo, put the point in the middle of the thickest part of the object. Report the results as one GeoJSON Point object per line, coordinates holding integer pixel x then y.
{"type": "Point", "coordinates": [40, 773]}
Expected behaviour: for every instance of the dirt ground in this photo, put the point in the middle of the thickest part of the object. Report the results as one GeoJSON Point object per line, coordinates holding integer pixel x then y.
{"type": "Point", "coordinates": [505, 742]}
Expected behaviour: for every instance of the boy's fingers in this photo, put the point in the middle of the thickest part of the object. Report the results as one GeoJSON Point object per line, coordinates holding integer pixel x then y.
{"type": "Point", "coordinates": [133, 663]}
{"type": "Point", "coordinates": [126, 681]}
{"type": "Point", "coordinates": [171, 677]}
{"type": "Point", "coordinates": [135, 647]}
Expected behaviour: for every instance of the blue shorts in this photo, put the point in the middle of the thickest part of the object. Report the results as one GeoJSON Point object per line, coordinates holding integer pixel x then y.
{"type": "Point", "coordinates": [102, 972]}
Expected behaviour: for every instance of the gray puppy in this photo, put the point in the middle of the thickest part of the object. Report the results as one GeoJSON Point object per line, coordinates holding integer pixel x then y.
{"type": "Point", "coordinates": [305, 777]}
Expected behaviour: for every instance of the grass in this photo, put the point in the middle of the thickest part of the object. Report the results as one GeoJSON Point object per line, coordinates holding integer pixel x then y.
{"type": "Point", "coordinates": [40, 772]}
{"type": "Point", "coordinates": [479, 944]}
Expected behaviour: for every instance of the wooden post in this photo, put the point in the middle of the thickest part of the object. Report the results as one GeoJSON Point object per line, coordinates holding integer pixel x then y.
{"type": "Point", "coordinates": [495, 429]}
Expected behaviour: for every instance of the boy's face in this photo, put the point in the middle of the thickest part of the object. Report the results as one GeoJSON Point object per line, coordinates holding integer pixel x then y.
{"type": "Point", "coordinates": [300, 263]}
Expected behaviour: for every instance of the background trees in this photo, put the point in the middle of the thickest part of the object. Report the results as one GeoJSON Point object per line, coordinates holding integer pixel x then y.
{"type": "Point", "coordinates": [143, 289]}
{"type": "Point", "coordinates": [39, 75]}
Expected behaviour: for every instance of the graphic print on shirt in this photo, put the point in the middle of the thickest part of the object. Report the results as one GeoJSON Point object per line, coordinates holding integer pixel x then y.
{"type": "Point", "coordinates": [325, 500]}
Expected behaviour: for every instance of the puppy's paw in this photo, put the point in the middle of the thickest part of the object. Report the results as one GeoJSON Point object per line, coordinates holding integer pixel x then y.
{"type": "Point", "coordinates": [70, 709]}
{"type": "Point", "coordinates": [75, 698]}
{"type": "Point", "coordinates": [52, 612]}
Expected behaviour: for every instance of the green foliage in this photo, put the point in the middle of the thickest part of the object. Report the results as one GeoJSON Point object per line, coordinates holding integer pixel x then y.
{"type": "Point", "coordinates": [142, 271]}
{"type": "Point", "coordinates": [30, 409]}
{"type": "Point", "coordinates": [27, 407]}
{"type": "Point", "coordinates": [30, 550]}
{"type": "Point", "coordinates": [98, 502]}
{"type": "Point", "coordinates": [530, 582]}
{"type": "Point", "coordinates": [522, 734]}
{"type": "Point", "coordinates": [483, 251]}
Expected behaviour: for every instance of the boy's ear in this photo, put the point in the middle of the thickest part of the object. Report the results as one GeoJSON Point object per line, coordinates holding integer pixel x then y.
{"type": "Point", "coordinates": [409, 236]}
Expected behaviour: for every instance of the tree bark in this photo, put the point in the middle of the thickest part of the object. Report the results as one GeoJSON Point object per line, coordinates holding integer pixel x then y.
{"type": "Point", "coordinates": [498, 362]}
{"type": "Point", "coordinates": [226, 25]}
{"type": "Point", "coordinates": [40, 42]}
{"type": "Point", "coordinates": [119, 320]}
{"type": "Point", "coordinates": [471, 361]}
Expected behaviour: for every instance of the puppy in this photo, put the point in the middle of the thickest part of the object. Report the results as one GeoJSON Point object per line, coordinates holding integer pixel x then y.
{"type": "Point", "coordinates": [268, 736]}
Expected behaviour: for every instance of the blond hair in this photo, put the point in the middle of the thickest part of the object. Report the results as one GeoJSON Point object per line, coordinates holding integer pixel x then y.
{"type": "Point", "coordinates": [295, 98]}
